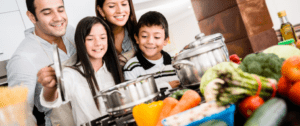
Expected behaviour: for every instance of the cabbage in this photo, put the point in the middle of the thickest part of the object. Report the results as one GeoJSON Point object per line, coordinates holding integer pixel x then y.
{"type": "Point", "coordinates": [283, 51]}
{"type": "Point", "coordinates": [211, 73]}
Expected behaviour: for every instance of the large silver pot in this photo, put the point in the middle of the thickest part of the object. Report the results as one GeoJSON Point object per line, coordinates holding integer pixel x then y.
{"type": "Point", "coordinates": [121, 98]}
{"type": "Point", "coordinates": [191, 64]}
{"type": "Point", "coordinates": [201, 40]}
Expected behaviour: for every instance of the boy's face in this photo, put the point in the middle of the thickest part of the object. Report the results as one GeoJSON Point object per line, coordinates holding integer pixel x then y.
{"type": "Point", "coordinates": [151, 41]}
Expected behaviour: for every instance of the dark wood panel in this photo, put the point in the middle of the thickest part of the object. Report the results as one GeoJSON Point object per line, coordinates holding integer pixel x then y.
{"type": "Point", "coordinates": [263, 40]}
{"type": "Point", "coordinates": [229, 23]}
{"type": "Point", "coordinates": [255, 16]}
{"type": "Point", "coordinates": [241, 47]}
{"type": "Point", "coordinates": [206, 8]}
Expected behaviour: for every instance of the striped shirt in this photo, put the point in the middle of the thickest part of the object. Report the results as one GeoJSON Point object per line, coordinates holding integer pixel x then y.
{"type": "Point", "coordinates": [162, 69]}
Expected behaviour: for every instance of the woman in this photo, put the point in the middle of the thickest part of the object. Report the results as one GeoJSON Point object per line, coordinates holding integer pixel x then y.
{"type": "Point", "coordinates": [120, 16]}
{"type": "Point", "coordinates": [95, 70]}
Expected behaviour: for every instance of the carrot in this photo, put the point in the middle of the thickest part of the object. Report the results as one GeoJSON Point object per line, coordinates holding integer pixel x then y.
{"type": "Point", "coordinates": [189, 100]}
{"type": "Point", "coordinates": [168, 104]}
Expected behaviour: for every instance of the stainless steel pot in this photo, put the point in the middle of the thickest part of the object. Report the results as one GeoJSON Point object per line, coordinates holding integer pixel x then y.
{"type": "Point", "coordinates": [201, 40]}
{"type": "Point", "coordinates": [191, 64]}
{"type": "Point", "coordinates": [123, 97]}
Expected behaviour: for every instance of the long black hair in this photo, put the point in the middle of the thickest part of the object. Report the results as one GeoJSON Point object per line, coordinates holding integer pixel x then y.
{"type": "Point", "coordinates": [130, 24]}
{"type": "Point", "coordinates": [110, 58]}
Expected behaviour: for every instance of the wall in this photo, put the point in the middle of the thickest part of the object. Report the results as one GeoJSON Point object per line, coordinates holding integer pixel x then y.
{"type": "Point", "coordinates": [183, 32]}
{"type": "Point", "coordinates": [290, 6]}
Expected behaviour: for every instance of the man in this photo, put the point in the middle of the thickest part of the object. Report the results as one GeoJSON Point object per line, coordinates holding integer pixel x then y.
{"type": "Point", "coordinates": [35, 53]}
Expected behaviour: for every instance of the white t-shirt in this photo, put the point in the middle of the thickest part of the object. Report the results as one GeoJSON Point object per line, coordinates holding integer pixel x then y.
{"type": "Point", "coordinates": [77, 91]}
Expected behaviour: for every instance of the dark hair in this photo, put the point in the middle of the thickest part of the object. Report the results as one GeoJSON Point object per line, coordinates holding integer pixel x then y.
{"type": "Point", "coordinates": [110, 58]}
{"type": "Point", "coordinates": [152, 18]}
{"type": "Point", "coordinates": [130, 24]}
{"type": "Point", "coordinates": [31, 7]}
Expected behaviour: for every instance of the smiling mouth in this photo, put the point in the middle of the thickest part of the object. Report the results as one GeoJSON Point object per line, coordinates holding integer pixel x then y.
{"type": "Point", "coordinates": [119, 17]}
{"type": "Point", "coordinates": [97, 50]}
{"type": "Point", "coordinates": [150, 47]}
{"type": "Point", "coordinates": [57, 25]}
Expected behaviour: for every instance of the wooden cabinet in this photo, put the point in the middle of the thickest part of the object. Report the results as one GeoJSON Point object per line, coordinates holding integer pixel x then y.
{"type": "Point", "coordinates": [245, 24]}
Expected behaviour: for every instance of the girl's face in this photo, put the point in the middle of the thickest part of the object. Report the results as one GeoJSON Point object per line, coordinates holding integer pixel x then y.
{"type": "Point", "coordinates": [96, 42]}
{"type": "Point", "coordinates": [115, 11]}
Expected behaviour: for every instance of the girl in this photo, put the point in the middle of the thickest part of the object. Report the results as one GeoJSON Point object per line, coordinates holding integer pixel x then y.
{"type": "Point", "coordinates": [120, 16]}
{"type": "Point", "coordinates": [96, 69]}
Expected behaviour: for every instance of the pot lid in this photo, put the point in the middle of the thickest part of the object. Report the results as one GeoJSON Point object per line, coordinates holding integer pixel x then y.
{"type": "Point", "coordinates": [200, 40]}
{"type": "Point", "coordinates": [199, 36]}
{"type": "Point", "coordinates": [198, 50]}
{"type": "Point", "coordinates": [58, 71]}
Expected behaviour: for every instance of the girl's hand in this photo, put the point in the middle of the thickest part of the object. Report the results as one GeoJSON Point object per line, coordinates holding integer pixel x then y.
{"type": "Point", "coordinates": [174, 83]}
{"type": "Point", "coordinates": [46, 76]}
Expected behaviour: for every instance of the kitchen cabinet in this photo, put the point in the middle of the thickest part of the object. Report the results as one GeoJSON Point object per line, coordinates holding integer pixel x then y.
{"type": "Point", "coordinates": [8, 6]}
{"type": "Point", "coordinates": [12, 33]}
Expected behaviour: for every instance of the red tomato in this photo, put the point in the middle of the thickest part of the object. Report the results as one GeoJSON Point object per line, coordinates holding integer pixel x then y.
{"type": "Point", "coordinates": [294, 93]}
{"type": "Point", "coordinates": [284, 86]}
{"type": "Point", "coordinates": [250, 104]}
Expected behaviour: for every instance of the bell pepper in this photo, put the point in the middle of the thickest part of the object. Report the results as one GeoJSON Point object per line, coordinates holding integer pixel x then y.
{"type": "Point", "coordinates": [147, 114]}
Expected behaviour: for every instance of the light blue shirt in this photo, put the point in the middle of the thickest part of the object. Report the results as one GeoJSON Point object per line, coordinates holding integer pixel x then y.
{"type": "Point", "coordinates": [126, 44]}
{"type": "Point", "coordinates": [29, 58]}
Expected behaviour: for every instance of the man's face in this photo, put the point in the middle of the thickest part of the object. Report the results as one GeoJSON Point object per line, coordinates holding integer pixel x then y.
{"type": "Point", "coordinates": [52, 18]}
{"type": "Point", "coordinates": [151, 41]}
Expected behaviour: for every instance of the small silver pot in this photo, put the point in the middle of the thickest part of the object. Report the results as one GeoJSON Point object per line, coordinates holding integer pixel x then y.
{"type": "Point", "coordinates": [121, 98]}
{"type": "Point", "coordinates": [191, 64]}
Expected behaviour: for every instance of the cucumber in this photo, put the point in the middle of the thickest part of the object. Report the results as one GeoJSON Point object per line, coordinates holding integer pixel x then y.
{"type": "Point", "coordinates": [271, 113]}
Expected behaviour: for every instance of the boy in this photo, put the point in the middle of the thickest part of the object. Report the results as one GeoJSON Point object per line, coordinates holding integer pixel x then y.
{"type": "Point", "coordinates": [151, 35]}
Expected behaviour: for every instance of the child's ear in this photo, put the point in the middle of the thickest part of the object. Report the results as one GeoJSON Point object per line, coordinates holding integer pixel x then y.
{"type": "Point", "coordinates": [31, 17]}
{"type": "Point", "coordinates": [100, 11]}
{"type": "Point", "coordinates": [136, 39]}
{"type": "Point", "coordinates": [166, 41]}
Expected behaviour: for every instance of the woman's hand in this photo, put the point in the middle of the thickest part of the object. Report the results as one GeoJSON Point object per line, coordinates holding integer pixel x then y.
{"type": "Point", "coordinates": [122, 60]}
{"type": "Point", "coordinates": [174, 83]}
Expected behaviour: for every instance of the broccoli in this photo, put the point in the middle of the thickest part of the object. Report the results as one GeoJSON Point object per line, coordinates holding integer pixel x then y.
{"type": "Point", "coordinates": [243, 67]}
{"type": "Point", "coordinates": [255, 67]}
{"type": "Point", "coordinates": [267, 65]}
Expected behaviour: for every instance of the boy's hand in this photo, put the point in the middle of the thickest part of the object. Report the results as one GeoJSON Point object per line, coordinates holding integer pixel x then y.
{"type": "Point", "coordinates": [174, 83]}
{"type": "Point", "coordinates": [46, 76]}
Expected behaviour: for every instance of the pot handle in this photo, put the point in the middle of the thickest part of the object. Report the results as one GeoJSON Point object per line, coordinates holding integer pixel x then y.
{"type": "Point", "coordinates": [177, 64]}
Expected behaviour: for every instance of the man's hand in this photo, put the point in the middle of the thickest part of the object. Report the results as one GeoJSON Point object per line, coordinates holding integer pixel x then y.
{"type": "Point", "coordinates": [46, 76]}
{"type": "Point", "coordinates": [174, 83]}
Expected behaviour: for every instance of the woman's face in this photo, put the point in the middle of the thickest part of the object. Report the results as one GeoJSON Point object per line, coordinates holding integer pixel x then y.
{"type": "Point", "coordinates": [96, 42]}
{"type": "Point", "coordinates": [115, 11]}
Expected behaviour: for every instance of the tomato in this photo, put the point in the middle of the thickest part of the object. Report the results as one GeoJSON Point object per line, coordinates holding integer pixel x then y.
{"type": "Point", "coordinates": [250, 104]}
{"type": "Point", "coordinates": [291, 68]}
{"type": "Point", "coordinates": [294, 93]}
{"type": "Point", "coordinates": [283, 86]}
